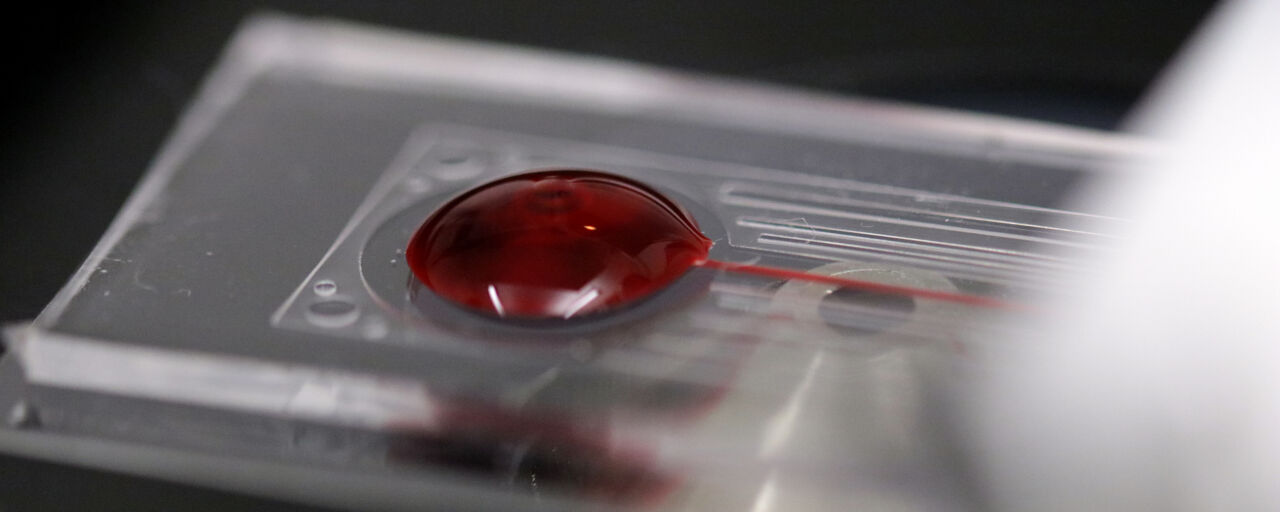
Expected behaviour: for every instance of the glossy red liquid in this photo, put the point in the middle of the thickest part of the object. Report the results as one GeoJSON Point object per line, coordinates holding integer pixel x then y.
{"type": "Point", "coordinates": [555, 244]}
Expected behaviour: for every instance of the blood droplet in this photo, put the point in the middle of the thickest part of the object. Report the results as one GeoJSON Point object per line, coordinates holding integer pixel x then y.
{"type": "Point", "coordinates": [555, 244]}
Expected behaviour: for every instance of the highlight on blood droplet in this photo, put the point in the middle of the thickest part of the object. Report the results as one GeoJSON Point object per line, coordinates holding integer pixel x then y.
{"type": "Point", "coordinates": [561, 243]}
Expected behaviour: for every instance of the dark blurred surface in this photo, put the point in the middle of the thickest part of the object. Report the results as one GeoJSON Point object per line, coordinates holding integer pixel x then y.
{"type": "Point", "coordinates": [100, 491]}
{"type": "Point", "coordinates": [95, 90]}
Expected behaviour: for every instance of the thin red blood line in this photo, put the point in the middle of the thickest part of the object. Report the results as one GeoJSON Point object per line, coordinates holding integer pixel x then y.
{"type": "Point", "coordinates": [783, 273]}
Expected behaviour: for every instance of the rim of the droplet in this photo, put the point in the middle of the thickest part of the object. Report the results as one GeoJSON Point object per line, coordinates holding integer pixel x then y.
{"type": "Point", "coordinates": [391, 286]}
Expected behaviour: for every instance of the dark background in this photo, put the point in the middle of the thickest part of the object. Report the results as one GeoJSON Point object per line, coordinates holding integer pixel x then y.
{"type": "Point", "coordinates": [93, 91]}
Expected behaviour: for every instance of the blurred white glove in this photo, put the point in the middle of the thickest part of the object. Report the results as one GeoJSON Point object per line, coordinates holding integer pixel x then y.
{"type": "Point", "coordinates": [1162, 392]}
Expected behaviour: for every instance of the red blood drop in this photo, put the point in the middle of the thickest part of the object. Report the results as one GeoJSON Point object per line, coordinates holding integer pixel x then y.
{"type": "Point", "coordinates": [555, 244]}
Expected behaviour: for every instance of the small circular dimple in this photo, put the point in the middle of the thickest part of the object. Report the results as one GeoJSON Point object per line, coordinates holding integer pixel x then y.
{"type": "Point", "coordinates": [333, 313]}
{"type": "Point", "coordinates": [325, 287]}
{"type": "Point", "coordinates": [458, 164]}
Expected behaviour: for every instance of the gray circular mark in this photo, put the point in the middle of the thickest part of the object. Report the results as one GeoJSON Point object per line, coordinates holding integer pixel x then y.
{"type": "Point", "coordinates": [453, 158]}
{"type": "Point", "coordinates": [325, 288]}
{"type": "Point", "coordinates": [332, 314]}
{"type": "Point", "coordinates": [459, 164]}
